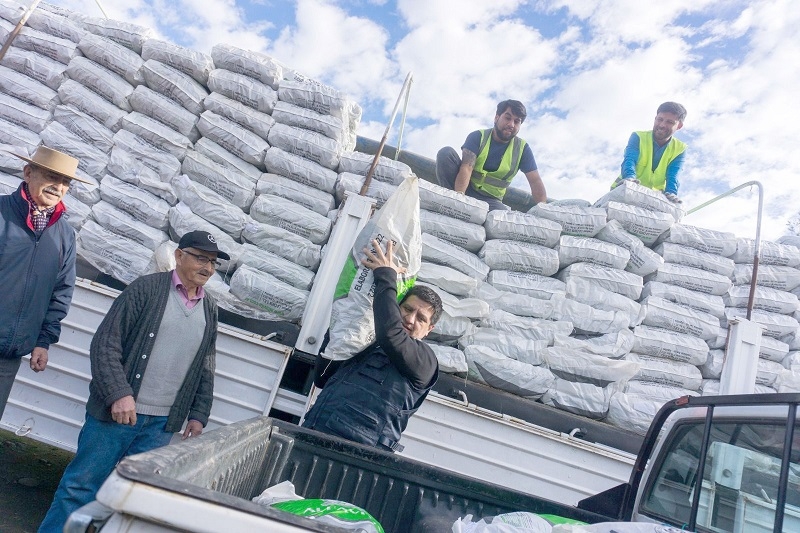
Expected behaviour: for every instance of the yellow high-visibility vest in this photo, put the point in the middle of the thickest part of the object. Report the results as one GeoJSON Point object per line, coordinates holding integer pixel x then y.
{"type": "Point", "coordinates": [655, 179]}
{"type": "Point", "coordinates": [496, 182]}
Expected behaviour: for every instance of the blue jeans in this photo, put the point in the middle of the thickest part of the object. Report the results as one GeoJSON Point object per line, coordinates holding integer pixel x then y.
{"type": "Point", "coordinates": [101, 445]}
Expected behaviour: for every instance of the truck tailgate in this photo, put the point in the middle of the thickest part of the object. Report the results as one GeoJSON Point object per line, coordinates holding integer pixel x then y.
{"type": "Point", "coordinates": [511, 452]}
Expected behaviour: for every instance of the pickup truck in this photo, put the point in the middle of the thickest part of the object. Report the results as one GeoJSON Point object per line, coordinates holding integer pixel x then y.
{"type": "Point", "coordinates": [711, 464]}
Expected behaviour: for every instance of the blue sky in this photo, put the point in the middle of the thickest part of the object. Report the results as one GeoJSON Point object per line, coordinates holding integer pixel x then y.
{"type": "Point", "coordinates": [589, 71]}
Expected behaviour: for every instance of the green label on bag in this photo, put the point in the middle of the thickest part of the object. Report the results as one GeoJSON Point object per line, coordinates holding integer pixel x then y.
{"type": "Point", "coordinates": [316, 507]}
{"type": "Point", "coordinates": [346, 278]}
{"type": "Point", "coordinates": [404, 285]}
{"type": "Point", "coordinates": [348, 275]}
{"type": "Point", "coordinates": [555, 519]}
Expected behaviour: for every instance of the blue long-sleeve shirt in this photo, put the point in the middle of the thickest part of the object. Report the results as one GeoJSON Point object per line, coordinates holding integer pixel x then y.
{"type": "Point", "coordinates": [631, 157]}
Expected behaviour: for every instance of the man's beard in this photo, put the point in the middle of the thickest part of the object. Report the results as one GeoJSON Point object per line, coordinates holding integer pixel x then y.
{"type": "Point", "coordinates": [503, 136]}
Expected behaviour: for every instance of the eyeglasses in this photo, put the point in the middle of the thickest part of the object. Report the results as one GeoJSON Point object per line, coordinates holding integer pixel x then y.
{"type": "Point", "coordinates": [203, 260]}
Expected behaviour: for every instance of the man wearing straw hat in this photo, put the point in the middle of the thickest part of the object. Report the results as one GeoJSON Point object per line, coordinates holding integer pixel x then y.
{"type": "Point", "coordinates": [37, 263]}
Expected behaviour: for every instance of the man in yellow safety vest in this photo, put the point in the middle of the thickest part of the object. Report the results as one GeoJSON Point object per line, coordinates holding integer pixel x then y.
{"type": "Point", "coordinates": [490, 159]}
{"type": "Point", "coordinates": [654, 158]}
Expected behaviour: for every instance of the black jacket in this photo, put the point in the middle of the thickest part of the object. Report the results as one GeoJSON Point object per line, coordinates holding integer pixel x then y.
{"type": "Point", "coordinates": [370, 397]}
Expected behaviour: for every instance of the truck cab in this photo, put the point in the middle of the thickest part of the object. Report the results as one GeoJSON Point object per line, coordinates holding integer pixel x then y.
{"type": "Point", "coordinates": [743, 450]}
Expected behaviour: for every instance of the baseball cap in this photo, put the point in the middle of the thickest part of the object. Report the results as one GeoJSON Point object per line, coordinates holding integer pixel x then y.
{"type": "Point", "coordinates": [201, 240]}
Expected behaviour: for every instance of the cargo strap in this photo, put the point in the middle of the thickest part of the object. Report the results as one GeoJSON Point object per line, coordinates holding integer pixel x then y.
{"type": "Point", "coordinates": [389, 443]}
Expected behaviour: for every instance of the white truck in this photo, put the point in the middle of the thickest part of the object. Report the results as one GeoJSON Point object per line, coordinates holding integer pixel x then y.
{"type": "Point", "coordinates": [463, 426]}
{"type": "Point", "coordinates": [546, 455]}
{"type": "Point", "coordinates": [710, 464]}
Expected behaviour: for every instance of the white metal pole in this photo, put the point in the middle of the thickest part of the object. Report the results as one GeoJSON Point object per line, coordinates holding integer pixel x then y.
{"type": "Point", "coordinates": [744, 336]}
{"type": "Point", "coordinates": [404, 89]}
{"type": "Point", "coordinates": [741, 358]}
{"type": "Point", "coordinates": [103, 11]}
{"type": "Point", "coordinates": [353, 216]}
{"type": "Point", "coordinates": [403, 120]}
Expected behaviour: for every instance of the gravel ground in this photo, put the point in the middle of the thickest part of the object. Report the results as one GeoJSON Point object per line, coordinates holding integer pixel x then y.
{"type": "Point", "coordinates": [29, 474]}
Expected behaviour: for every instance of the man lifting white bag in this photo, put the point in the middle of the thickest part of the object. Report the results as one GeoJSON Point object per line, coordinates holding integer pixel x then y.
{"type": "Point", "coordinates": [352, 326]}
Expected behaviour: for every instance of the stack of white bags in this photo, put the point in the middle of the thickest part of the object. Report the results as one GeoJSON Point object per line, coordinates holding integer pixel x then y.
{"type": "Point", "coordinates": [608, 310]}
{"type": "Point", "coordinates": [604, 310]}
{"type": "Point", "coordinates": [175, 140]}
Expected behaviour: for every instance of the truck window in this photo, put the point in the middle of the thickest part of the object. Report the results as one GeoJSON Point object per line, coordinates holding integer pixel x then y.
{"type": "Point", "coordinates": [740, 481]}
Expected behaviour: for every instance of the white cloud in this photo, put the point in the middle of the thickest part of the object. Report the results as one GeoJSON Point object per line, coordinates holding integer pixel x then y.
{"type": "Point", "coordinates": [588, 80]}
{"type": "Point", "coordinates": [205, 23]}
{"type": "Point", "coordinates": [749, 121]}
{"type": "Point", "coordinates": [630, 20]}
{"type": "Point", "coordinates": [346, 51]}
{"type": "Point", "coordinates": [456, 13]}
{"type": "Point", "coordinates": [466, 57]}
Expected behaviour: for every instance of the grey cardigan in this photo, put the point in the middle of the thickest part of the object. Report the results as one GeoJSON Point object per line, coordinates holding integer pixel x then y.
{"type": "Point", "coordinates": [121, 347]}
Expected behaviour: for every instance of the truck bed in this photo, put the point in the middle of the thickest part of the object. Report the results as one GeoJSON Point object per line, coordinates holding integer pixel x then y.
{"type": "Point", "coordinates": [227, 467]}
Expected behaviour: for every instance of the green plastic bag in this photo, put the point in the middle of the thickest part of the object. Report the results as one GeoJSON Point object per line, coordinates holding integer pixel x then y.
{"type": "Point", "coordinates": [333, 512]}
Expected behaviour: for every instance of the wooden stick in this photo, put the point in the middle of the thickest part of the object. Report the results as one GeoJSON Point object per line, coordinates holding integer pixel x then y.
{"type": "Point", "coordinates": [16, 30]}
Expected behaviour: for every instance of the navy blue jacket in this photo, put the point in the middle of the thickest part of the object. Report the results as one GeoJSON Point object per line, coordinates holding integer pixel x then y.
{"type": "Point", "coordinates": [37, 276]}
{"type": "Point", "coordinates": [371, 397]}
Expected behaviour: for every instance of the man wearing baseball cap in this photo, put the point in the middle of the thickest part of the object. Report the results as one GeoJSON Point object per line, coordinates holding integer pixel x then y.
{"type": "Point", "coordinates": [37, 263]}
{"type": "Point", "coordinates": [152, 361]}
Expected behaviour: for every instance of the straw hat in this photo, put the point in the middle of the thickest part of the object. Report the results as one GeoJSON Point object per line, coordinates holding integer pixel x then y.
{"type": "Point", "coordinates": [54, 161]}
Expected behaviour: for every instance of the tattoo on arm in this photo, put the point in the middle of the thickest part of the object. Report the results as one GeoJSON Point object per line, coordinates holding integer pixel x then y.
{"type": "Point", "coordinates": [468, 158]}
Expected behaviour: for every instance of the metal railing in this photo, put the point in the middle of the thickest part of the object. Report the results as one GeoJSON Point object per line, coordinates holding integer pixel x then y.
{"type": "Point", "coordinates": [404, 90]}
{"type": "Point", "coordinates": [757, 251]}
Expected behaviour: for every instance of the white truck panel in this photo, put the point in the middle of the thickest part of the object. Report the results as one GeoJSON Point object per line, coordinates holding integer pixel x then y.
{"type": "Point", "coordinates": [476, 442]}
{"type": "Point", "coordinates": [50, 406]}
{"type": "Point", "coordinates": [145, 509]}
{"type": "Point", "coordinates": [291, 402]}
{"type": "Point", "coordinates": [246, 379]}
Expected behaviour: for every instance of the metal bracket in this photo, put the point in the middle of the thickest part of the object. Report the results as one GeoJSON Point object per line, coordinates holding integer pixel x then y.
{"type": "Point", "coordinates": [25, 428]}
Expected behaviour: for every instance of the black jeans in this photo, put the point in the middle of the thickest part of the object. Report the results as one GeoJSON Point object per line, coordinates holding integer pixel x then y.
{"type": "Point", "coordinates": [8, 372]}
